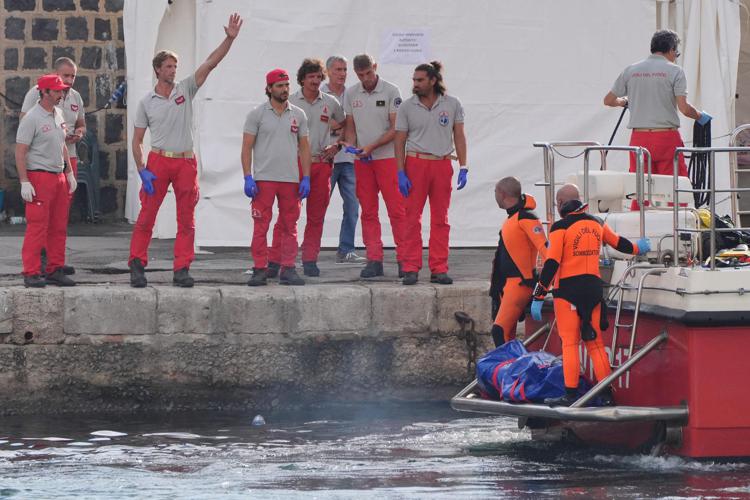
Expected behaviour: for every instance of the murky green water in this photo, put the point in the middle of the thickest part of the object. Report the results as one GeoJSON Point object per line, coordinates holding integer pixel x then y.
{"type": "Point", "coordinates": [355, 452]}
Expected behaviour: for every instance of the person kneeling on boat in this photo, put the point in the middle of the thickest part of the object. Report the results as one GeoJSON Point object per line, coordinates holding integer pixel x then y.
{"type": "Point", "coordinates": [522, 238]}
{"type": "Point", "coordinates": [573, 256]}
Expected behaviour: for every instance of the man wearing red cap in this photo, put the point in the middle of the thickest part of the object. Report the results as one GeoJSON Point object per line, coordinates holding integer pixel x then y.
{"type": "Point", "coordinates": [370, 108]}
{"type": "Point", "coordinates": [168, 112]}
{"type": "Point", "coordinates": [72, 110]}
{"type": "Point", "coordinates": [277, 133]}
{"type": "Point", "coordinates": [47, 181]}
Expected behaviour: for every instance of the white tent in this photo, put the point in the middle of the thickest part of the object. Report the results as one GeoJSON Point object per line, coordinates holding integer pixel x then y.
{"type": "Point", "coordinates": [525, 71]}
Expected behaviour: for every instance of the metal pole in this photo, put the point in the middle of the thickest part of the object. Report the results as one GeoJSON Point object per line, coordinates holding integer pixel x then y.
{"type": "Point", "coordinates": [603, 384]}
{"type": "Point", "coordinates": [639, 191]}
{"type": "Point", "coordinates": [676, 208]}
{"type": "Point", "coordinates": [637, 311]}
{"type": "Point", "coordinates": [586, 176]}
{"type": "Point", "coordinates": [712, 204]}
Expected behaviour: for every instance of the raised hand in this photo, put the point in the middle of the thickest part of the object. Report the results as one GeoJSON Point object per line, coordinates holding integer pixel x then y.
{"type": "Point", "coordinates": [233, 28]}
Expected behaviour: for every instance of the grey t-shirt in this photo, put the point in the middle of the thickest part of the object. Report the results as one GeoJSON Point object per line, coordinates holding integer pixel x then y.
{"type": "Point", "coordinates": [170, 119]}
{"type": "Point", "coordinates": [342, 156]}
{"type": "Point", "coordinates": [319, 115]}
{"type": "Point", "coordinates": [430, 130]}
{"type": "Point", "coordinates": [44, 133]}
{"type": "Point", "coordinates": [276, 141]}
{"type": "Point", "coordinates": [71, 107]}
{"type": "Point", "coordinates": [651, 86]}
{"type": "Point", "coordinates": [371, 112]}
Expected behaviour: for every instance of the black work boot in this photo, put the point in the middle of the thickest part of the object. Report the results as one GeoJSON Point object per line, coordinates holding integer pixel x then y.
{"type": "Point", "coordinates": [570, 397]}
{"type": "Point", "coordinates": [606, 398]}
{"type": "Point", "coordinates": [57, 277]}
{"type": "Point", "coordinates": [410, 278]}
{"type": "Point", "coordinates": [137, 274]}
{"type": "Point", "coordinates": [498, 335]}
{"type": "Point", "coordinates": [272, 270]}
{"type": "Point", "coordinates": [259, 277]}
{"type": "Point", "coordinates": [68, 270]}
{"type": "Point", "coordinates": [310, 269]}
{"type": "Point", "coordinates": [372, 269]}
{"type": "Point", "coordinates": [182, 278]}
{"type": "Point", "coordinates": [441, 279]}
{"type": "Point", "coordinates": [34, 281]}
{"type": "Point", "coordinates": [401, 272]}
{"type": "Point", "coordinates": [289, 276]}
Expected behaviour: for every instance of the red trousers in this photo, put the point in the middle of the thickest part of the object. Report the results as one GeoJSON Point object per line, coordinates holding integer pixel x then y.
{"type": "Point", "coordinates": [513, 300]}
{"type": "Point", "coordinates": [662, 146]}
{"type": "Point", "coordinates": [46, 222]}
{"type": "Point", "coordinates": [262, 210]}
{"type": "Point", "coordinates": [373, 177]}
{"type": "Point", "coordinates": [317, 204]}
{"type": "Point", "coordinates": [431, 179]}
{"type": "Point", "coordinates": [569, 327]}
{"type": "Point", "coordinates": [182, 173]}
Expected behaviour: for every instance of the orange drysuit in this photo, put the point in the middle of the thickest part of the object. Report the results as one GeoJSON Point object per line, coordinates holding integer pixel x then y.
{"type": "Point", "coordinates": [513, 269]}
{"type": "Point", "coordinates": [575, 242]}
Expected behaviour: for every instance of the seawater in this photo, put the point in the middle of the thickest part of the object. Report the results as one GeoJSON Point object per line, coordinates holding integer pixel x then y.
{"type": "Point", "coordinates": [359, 451]}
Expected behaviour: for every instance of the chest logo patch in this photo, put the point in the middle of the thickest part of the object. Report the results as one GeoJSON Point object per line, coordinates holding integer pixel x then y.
{"type": "Point", "coordinates": [46, 128]}
{"type": "Point", "coordinates": [295, 126]}
{"type": "Point", "coordinates": [443, 119]}
{"type": "Point", "coordinates": [397, 102]}
{"type": "Point", "coordinates": [380, 104]}
{"type": "Point", "coordinates": [180, 100]}
{"type": "Point", "coordinates": [74, 107]}
{"type": "Point", "coordinates": [357, 103]}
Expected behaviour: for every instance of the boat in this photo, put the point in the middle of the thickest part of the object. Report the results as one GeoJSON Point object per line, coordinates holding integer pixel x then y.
{"type": "Point", "coordinates": [680, 337]}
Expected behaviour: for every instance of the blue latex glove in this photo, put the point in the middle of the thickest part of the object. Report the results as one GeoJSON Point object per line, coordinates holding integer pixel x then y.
{"type": "Point", "coordinates": [357, 151]}
{"type": "Point", "coordinates": [461, 183]}
{"type": "Point", "coordinates": [147, 178]}
{"type": "Point", "coordinates": [251, 189]}
{"type": "Point", "coordinates": [404, 184]}
{"type": "Point", "coordinates": [304, 187]}
{"type": "Point", "coordinates": [644, 246]}
{"type": "Point", "coordinates": [536, 309]}
{"type": "Point", "coordinates": [704, 118]}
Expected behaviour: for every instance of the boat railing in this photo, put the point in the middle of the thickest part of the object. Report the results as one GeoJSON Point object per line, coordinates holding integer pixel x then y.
{"type": "Point", "coordinates": [711, 190]}
{"type": "Point", "coordinates": [734, 175]}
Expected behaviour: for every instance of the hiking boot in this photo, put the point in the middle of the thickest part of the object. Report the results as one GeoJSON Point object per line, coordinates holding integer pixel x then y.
{"type": "Point", "coordinates": [348, 258]}
{"type": "Point", "coordinates": [34, 281]}
{"type": "Point", "coordinates": [401, 272]}
{"type": "Point", "coordinates": [259, 277]}
{"type": "Point", "coordinates": [137, 274]}
{"type": "Point", "coordinates": [441, 279]}
{"type": "Point", "coordinates": [68, 270]}
{"type": "Point", "coordinates": [570, 397]}
{"type": "Point", "coordinates": [182, 278]}
{"type": "Point", "coordinates": [372, 269]}
{"type": "Point", "coordinates": [310, 269]}
{"type": "Point", "coordinates": [410, 278]}
{"type": "Point", "coordinates": [273, 269]}
{"type": "Point", "coordinates": [57, 277]}
{"type": "Point", "coordinates": [289, 276]}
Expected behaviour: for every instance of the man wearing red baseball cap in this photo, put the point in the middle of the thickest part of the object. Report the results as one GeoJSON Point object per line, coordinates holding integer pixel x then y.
{"type": "Point", "coordinates": [47, 181]}
{"type": "Point", "coordinates": [276, 131]}
{"type": "Point", "coordinates": [168, 112]}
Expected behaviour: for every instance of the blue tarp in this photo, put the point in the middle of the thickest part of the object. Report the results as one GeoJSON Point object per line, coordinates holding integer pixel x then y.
{"type": "Point", "coordinates": [513, 374]}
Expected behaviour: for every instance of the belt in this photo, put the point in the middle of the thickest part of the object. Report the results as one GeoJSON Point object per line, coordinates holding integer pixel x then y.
{"type": "Point", "coordinates": [653, 129]}
{"type": "Point", "coordinates": [172, 154]}
{"type": "Point", "coordinates": [427, 156]}
{"type": "Point", "coordinates": [40, 171]}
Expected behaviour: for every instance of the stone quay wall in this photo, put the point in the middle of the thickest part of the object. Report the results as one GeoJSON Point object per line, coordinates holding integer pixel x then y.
{"type": "Point", "coordinates": [117, 349]}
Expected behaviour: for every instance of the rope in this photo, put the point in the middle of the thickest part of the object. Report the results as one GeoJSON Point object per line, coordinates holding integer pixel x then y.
{"type": "Point", "coordinates": [700, 174]}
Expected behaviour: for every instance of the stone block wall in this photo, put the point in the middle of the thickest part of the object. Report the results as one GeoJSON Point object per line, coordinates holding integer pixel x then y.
{"type": "Point", "coordinates": [33, 34]}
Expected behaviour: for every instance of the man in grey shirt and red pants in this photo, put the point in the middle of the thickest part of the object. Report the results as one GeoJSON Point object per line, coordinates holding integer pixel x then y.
{"type": "Point", "coordinates": [653, 89]}
{"type": "Point", "coordinates": [427, 126]}
{"type": "Point", "coordinates": [168, 112]}
{"type": "Point", "coordinates": [276, 134]}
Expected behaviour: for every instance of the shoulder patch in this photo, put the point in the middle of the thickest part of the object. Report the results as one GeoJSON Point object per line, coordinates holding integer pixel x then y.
{"type": "Point", "coordinates": [397, 102]}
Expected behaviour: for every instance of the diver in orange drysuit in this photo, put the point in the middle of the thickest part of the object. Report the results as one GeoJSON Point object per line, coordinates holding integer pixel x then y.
{"type": "Point", "coordinates": [575, 242]}
{"type": "Point", "coordinates": [513, 269]}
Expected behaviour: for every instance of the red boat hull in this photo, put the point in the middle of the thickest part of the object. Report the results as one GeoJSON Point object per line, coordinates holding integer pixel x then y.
{"type": "Point", "coordinates": [703, 367]}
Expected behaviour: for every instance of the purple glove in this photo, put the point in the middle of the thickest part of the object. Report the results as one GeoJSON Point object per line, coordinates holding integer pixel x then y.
{"type": "Point", "coordinates": [147, 178]}
{"type": "Point", "coordinates": [357, 151]}
{"type": "Point", "coordinates": [251, 189]}
{"type": "Point", "coordinates": [304, 187]}
{"type": "Point", "coordinates": [461, 183]}
{"type": "Point", "coordinates": [404, 184]}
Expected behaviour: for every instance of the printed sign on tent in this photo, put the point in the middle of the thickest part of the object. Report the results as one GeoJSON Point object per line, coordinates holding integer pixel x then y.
{"type": "Point", "coordinates": [407, 46]}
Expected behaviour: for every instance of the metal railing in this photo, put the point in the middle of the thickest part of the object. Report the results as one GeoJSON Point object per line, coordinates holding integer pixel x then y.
{"type": "Point", "coordinates": [734, 175]}
{"type": "Point", "coordinates": [712, 229]}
